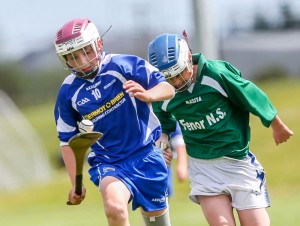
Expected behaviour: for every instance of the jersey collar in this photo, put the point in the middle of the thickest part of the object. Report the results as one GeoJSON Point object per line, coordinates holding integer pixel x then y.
{"type": "Point", "coordinates": [198, 58]}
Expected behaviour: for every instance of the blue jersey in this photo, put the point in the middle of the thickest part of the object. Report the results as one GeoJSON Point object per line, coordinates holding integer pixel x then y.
{"type": "Point", "coordinates": [128, 124]}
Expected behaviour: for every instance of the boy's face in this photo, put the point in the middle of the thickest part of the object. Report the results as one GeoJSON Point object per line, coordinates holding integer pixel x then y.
{"type": "Point", "coordinates": [181, 81]}
{"type": "Point", "coordinates": [83, 60]}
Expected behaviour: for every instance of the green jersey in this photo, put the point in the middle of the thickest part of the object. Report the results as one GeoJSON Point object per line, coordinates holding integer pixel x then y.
{"type": "Point", "coordinates": [213, 112]}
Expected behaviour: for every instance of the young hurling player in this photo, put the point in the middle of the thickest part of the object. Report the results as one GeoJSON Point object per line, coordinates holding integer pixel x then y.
{"type": "Point", "coordinates": [114, 92]}
{"type": "Point", "coordinates": [212, 105]}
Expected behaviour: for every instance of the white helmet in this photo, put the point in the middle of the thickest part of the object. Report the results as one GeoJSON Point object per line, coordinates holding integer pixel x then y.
{"type": "Point", "coordinates": [74, 35]}
{"type": "Point", "coordinates": [170, 54]}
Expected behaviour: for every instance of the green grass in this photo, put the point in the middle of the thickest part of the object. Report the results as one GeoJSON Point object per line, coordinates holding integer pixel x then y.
{"type": "Point", "coordinates": [44, 204]}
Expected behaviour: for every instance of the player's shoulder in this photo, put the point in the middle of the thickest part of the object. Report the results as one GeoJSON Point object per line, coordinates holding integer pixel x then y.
{"type": "Point", "coordinates": [121, 63]}
{"type": "Point", "coordinates": [66, 84]}
{"type": "Point", "coordinates": [121, 58]}
{"type": "Point", "coordinates": [221, 67]}
{"type": "Point", "coordinates": [220, 70]}
{"type": "Point", "coordinates": [69, 79]}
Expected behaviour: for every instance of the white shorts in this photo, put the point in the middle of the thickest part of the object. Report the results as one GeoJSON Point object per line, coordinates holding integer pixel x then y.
{"type": "Point", "coordinates": [244, 180]}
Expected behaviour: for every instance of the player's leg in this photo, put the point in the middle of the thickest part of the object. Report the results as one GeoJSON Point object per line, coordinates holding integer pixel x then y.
{"type": "Point", "coordinates": [251, 206]}
{"type": "Point", "coordinates": [152, 186]}
{"type": "Point", "coordinates": [208, 181]}
{"type": "Point", "coordinates": [217, 210]}
{"type": "Point", "coordinates": [115, 197]}
{"type": "Point", "coordinates": [157, 218]}
{"type": "Point", "coordinates": [254, 217]}
{"type": "Point", "coordinates": [252, 199]}
{"type": "Point", "coordinates": [162, 216]}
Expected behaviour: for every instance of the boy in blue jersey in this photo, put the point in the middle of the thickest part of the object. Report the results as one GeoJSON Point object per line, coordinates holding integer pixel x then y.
{"type": "Point", "coordinates": [114, 92]}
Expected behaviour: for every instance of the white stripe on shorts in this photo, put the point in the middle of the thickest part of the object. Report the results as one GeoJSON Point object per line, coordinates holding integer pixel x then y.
{"type": "Point", "coordinates": [244, 180]}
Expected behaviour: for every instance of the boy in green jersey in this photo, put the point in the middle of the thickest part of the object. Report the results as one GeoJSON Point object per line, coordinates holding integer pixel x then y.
{"type": "Point", "coordinates": [212, 105]}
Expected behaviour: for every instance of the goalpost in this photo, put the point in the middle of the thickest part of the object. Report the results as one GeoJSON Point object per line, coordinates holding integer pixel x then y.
{"type": "Point", "coordinates": [23, 158]}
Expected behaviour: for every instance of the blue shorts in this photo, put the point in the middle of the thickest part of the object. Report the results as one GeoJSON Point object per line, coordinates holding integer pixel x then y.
{"type": "Point", "coordinates": [145, 174]}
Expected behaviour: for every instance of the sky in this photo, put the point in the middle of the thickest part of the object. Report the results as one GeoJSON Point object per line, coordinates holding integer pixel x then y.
{"type": "Point", "coordinates": [31, 24]}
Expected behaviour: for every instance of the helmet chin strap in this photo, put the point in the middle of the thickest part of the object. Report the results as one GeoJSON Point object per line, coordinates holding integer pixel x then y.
{"type": "Point", "coordinates": [90, 75]}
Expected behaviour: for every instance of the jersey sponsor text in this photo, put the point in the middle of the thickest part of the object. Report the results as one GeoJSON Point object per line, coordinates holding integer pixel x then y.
{"type": "Point", "coordinates": [209, 120]}
{"type": "Point", "coordinates": [109, 84]}
{"type": "Point", "coordinates": [93, 86]}
{"type": "Point", "coordinates": [106, 106]}
{"type": "Point", "coordinates": [194, 100]}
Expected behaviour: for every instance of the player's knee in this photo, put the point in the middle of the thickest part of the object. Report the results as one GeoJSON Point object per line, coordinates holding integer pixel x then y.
{"type": "Point", "coordinates": [116, 212]}
{"type": "Point", "coordinates": [162, 220]}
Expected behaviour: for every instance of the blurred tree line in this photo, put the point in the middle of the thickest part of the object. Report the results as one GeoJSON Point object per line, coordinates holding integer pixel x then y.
{"type": "Point", "coordinates": [288, 20]}
{"type": "Point", "coordinates": [30, 87]}
{"type": "Point", "coordinates": [34, 87]}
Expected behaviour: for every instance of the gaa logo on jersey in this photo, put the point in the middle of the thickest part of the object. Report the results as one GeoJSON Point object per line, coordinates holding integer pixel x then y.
{"type": "Point", "coordinates": [83, 101]}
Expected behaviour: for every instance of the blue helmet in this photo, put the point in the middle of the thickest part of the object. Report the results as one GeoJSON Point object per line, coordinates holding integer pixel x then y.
{"type": "Point", "coordinates": [169, 53]}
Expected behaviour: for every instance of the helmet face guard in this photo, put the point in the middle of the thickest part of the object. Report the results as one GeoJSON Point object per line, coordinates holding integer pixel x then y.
{"type": "Point", "coordinates": [170, 54]}
{"type": "Point", "coordinates": [76, 35]}
{"type": "Point", "coordinates": [185, 83]}
{"type": "Point", "coordinates": [78, 69]}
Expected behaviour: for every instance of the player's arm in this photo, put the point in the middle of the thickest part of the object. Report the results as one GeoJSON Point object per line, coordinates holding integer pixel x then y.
{"type": "Point", "coordinates": [281, 133]}
{"type": "Point", "coordinates": [162, 91]}
{"type": "Point", "coordinates": [69, 160]}
{"type": "Point", "coordinates": [245, 94]}
{"type": "Point", "coordinates": [182, 162]}
{"type": "Point", "coordinates": [254, 100]}
{"type": "Point", "coordinates": [70, 163]}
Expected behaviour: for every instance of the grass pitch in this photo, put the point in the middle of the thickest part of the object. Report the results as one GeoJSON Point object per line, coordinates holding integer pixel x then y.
{"type": "Point", "coordinates": [45, 204]}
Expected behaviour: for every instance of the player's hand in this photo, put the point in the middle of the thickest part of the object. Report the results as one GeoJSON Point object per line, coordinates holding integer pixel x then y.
{"type": "Point", "coordinates": [75, 199]}
{"type": "Point", "coordinates": [136, 90]}
{"type": "Point", "coordinates": [168, 154]}
{"type": "Point", "coordinates": [281, 133]}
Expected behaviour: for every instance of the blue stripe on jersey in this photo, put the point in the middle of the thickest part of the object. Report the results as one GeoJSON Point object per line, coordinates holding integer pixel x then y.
{"type": "Point", "coordinates": [127, 123]}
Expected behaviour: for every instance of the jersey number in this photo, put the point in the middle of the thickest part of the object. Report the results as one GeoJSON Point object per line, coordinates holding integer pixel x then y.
{"type": "Point", "coordinates": [96, 93]}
